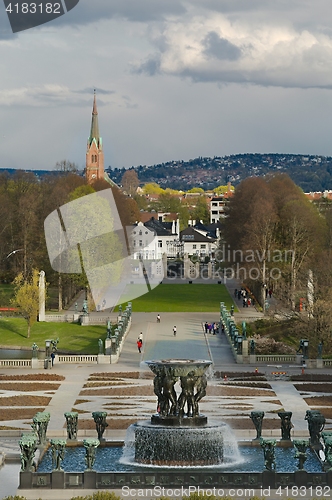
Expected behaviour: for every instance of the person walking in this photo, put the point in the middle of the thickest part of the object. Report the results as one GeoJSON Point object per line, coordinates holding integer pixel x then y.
{"type": "Point", "coordinates": [174, 331]}
{"type": "Point", "coordinates": [53, 358]}
{"type": "Point", "coordinates": [139, 345]}
{"type": "Point", "coordinates": [140, 337]}
{"type": "Point", "coordinates": [158, 318]}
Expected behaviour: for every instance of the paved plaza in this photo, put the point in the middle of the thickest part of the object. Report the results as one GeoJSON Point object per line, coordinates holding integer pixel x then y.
{"type": "Point", "coordinates": [190, 342]}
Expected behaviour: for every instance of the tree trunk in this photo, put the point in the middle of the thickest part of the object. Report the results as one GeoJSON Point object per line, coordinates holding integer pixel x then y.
{"type": "Point", "coordinates": [60, 292]}
{"type": "Point", "coordinates": [29, 328]}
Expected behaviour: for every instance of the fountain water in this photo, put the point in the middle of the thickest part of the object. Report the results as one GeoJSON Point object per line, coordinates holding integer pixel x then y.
{"type": "Point", "coordinates": [178, 435]}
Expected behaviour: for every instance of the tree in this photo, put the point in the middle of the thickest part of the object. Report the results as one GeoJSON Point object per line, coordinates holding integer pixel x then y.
{"type": "Point", "coordinates": [168, 203]}
{"type": "Point", "coordinates": [66, 166]}
{"type": "Point", "coordinates": [26, 297]}
{"type": "Point", "coordinates": [302, 229]}
{"type": "Point", "coordinates": [223, 189]}
{"type": "Point", "coordinates": [152, 188]}
{"type": "Point", "coordinates": [271, 220]}
{"type": "Point", "coordinates": [130, 182]}
{"type": "Point", "coordinates": [196, 190]}
{"type": "Point", "coordinates": [201, 211]}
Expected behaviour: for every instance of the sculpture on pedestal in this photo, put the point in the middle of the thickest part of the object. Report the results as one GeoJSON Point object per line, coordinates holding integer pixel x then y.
{"type": "Point", "coordinates": [39, 425]}
{"type": "Point", "coordinates": [257, 418]}
{"type": "Point", "coordinates": [58, 452]}
{"type": "Point", "coordinates": [100, 420]}
{"type": "Point", "coordinates": [28, 446]}
{"type": "Point", "coordinates": [90, 446]}
{"type": "Point", "coordinates": [268, 446]}
{"type": "Point", "coordinates": [72, 422]}
{"type": "Point", "coordinates": [301, 446]}
{"type": "Point", "coordinates": [35, 350]}
{"type": "Point", "coordinates": [286, 424]}
{"type": "Point", "coordinates": [316, 423]}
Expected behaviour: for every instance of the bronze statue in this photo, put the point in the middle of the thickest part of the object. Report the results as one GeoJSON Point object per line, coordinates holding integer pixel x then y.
{"type": "Point", "coordinates": [257, 418]}
{"type": "Point", "coordinates": [268, 446]}
{"type": "Point", "coordinates": [286, 424]}
{"type": "Point", "coordinates": [100, 420]}
{"type": "Point", "coordinates": [58, 452]}
{"type": "Point", "coordinates": [201, 392]}
{"type": "Point", "coordinates": [187, 395]}
{"type": "Point", "coordinates": [72, 421]}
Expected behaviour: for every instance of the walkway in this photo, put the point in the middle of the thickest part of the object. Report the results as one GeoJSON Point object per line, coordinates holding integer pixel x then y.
{"type": "Point", "coordinates": [291, 400]}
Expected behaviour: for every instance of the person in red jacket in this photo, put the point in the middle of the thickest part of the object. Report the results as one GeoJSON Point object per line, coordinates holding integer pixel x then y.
{"type": "Point", "coordinates": [139, 345]}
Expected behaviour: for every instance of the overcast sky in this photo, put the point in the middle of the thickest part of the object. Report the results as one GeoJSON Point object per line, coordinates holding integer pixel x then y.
{"type": "Point", "coordinates": [175, 80]}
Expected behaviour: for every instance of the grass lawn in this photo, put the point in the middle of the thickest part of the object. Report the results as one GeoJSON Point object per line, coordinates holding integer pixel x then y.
{"type": "Point", "coordinates": [73, 338]}
{"type": "Point", "coordinates": [6, 294]}
{"type": "Point", "coordinates": [183, 298]}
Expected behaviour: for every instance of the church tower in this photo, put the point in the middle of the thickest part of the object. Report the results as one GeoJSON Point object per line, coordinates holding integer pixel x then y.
{"type": "Point", "coordinates": [94, 165]}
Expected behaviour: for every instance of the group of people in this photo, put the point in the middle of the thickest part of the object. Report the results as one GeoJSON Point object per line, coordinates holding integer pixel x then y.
{"type": "Point", "coordinates": [247, 300]}
{"type": "Point", "coordinates": [211, 328]}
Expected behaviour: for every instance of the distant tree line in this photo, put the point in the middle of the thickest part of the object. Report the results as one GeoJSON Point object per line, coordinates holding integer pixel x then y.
{"type": "Point", "coordinates": [26, 201]}
{"type": "Point", "coordinates": [311, 173]}
{"type": "Point", "coordinates": [278, 240]}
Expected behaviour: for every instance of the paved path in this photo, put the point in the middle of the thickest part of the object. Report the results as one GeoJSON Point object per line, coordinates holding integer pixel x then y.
{"type": "Point", "coordinates": [159, 342]}
{"type": "Point", "coordinates": [291, 400]}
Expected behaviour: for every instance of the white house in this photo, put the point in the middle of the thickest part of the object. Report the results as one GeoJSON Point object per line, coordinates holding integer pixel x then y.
{"type": "Point", "coordinates": [153, 238]}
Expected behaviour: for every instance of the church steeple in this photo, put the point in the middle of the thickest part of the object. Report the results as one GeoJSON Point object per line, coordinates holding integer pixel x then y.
{"type": "Point", "coordinates": [94, 133]}
{"type": "Point", "coordinates": [94, 167]}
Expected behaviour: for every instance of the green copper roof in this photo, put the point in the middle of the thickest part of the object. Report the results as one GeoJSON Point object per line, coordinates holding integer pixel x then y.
{"type": "Point", "coordinates": [94, 133]}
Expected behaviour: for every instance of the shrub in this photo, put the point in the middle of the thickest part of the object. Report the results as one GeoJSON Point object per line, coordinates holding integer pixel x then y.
{"type": "Point", "coordinates": [99, 495]}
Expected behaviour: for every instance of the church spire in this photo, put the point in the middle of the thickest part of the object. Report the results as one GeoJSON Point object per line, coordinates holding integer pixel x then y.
{"type": "Point", "coordinates": [94, 133]}
{"type": "Point", "coordinates": [94, 166]}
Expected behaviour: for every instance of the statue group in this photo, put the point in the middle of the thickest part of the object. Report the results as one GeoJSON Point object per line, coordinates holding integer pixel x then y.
{"type": "Point", "coordinates": [193, 389]}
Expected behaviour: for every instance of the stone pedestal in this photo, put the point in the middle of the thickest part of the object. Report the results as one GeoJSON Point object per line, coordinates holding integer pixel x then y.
{"type": "Point", "coordinates": [299, 359]}
{"type": "Point", "coordinates": [25, 480]}
{"type": "Point", "coordinates": [36, 363]}
{"type": "Point", "coordinates": [84, 320]}
{"type": "Point", "coordinates": [252, 359]}
{"type": "Point", "coordinates": [103, 360]}
{"type": "Point", "coordinates": [269, 479]}
{"type": "Point", "coordinates": [108, 347]}
{"type": "Point", "coordinates": [58, 480]}
{"type": "Point", "coordinates": [301, 478]}
{"type": "Point", "coordinates": [89, 480]}
{"type": "Point", "coordinates": [319, 363]}
{"type": "Point", "coordinates": [245, 347]}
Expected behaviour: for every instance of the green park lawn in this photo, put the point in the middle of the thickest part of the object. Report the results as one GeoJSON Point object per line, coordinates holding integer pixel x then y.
{"type": "Point", "coordinates": [73, 337]}
{"type": "Point", "coordinates": [183, 298]}
{"type": "Point", "coordinates": [84, 339]}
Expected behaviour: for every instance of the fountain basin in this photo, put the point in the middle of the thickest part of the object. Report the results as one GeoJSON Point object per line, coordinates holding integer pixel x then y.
{"type": "Point", "coordinates": [179, 367]}
{"type": "Point", "coordinates": [183, 446]}
{"type": "Point", "coordinates": [111, 460]}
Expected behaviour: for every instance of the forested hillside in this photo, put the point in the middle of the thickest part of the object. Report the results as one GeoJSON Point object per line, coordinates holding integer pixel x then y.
{"type": "Point", "coordinates": [311, 173]}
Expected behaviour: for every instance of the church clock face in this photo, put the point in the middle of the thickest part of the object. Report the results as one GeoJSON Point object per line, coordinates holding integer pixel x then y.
{"type": "Point", "coordinates": [93, 176]}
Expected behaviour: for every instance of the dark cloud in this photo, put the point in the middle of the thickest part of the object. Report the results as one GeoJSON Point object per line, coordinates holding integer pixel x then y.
{"type": "Point", "coordinates": [220, 47]}
{"type": "Point", "coordinates": [88, 11]}
{"type": "Point", "coordinates": [151, 66]}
